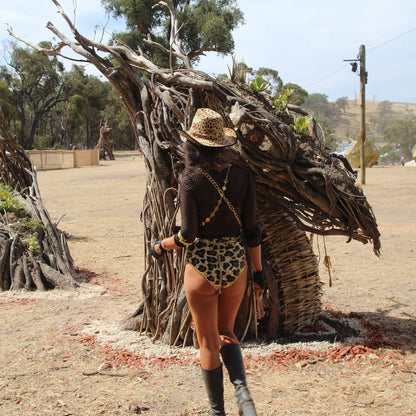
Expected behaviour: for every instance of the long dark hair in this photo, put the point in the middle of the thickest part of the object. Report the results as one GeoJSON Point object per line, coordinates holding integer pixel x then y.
{"type": "Point", "coordinates": [202, 156]}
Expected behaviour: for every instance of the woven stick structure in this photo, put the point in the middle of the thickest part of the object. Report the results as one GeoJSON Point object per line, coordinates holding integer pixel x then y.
{"type": "Point", "coordinates": [300, 188]}
{"type": "Point", "coordinates": [33, 252]}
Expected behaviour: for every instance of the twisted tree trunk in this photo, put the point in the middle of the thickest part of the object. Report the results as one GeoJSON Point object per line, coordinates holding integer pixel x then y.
{"type": "Point", "coordinates": [33, 252]}
{"type": "Point", "coordinates": [299, 187]}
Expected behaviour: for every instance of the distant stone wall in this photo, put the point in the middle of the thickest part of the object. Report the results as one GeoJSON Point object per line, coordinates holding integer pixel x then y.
{"type": "Point", "coordinates": [86, 157]}
{"type": "Point", "coordinates": [63, 159]}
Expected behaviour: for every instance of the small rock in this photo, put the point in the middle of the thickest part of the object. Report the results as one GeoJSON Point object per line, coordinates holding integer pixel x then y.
{"type": "Point", "coordinates": [138, 408]}
{"type": "Point", "coordinates": [103, 366]}
{"type": "Point", "coordinates": [301, 364]}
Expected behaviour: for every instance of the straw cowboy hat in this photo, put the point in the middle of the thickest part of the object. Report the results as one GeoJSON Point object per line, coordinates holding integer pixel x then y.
{"type": "Point", "coordinates": [207, 129]}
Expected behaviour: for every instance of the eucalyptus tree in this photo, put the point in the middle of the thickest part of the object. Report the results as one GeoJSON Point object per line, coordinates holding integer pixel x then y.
{"type": "Point", "coordinates": [36, 84]}
{"type": "Point", "coordinates": [342, 104]}
{"type": "Point", "coordinates": [6, 102]}
{"type": "Point", "coordinates": [272, 77]}
{"type": "Point", "coordinates": [319, 105]}
{"type": "Point", "coordinates": [122, 132]}
{"type": "Point", "coordinates": [297, 94]}
{"type": "Point", "coordinates": [86, 103]}
{"type": "Point", "coordinates": [401, 137]}
{"type": "Point", "coordinates": [205, 26]}
{"type": "Point", "coordinates": [91, 102]}
{"type": "Point", "coordinates": [324, 112]}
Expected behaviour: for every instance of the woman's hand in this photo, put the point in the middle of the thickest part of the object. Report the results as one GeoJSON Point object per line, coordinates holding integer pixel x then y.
{"type": "Point", "coordinates": [258, 289]}
{"type": "Point", "coordinates": [156, 249]}
{"type": "Point", "coordinates": [259, 279]}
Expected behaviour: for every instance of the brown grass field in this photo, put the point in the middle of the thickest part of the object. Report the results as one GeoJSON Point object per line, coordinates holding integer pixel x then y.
{"type": "Point", "coordinates": [62, 354]}
{"type": "Point", "coordinates": [348, 126]}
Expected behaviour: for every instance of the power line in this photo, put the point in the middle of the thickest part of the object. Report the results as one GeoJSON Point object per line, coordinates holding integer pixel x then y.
{"type": "Point", "coordinates": [328, 76]}
{"type": "Point", "coordinates": [391, 40]}
{"type": "Point", "coordinates": [375, 47]}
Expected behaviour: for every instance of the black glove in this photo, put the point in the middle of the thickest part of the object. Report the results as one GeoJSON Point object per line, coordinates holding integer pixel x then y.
{"type": "Point", "coordinates": [154, 253]}
{"type": "Point", "coordinates": [258, 277]}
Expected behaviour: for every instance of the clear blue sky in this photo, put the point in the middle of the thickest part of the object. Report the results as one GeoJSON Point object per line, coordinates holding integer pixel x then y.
{"type": "Point", "coordinates": [305, 41]}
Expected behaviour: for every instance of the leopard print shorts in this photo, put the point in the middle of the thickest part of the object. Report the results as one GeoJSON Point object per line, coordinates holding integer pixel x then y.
{"type": "Point", "coordinates": [219, 260]}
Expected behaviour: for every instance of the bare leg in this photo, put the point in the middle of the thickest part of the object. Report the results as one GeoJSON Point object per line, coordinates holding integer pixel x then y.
{"type": "Point", "coordinates": [203, 301]}
{"type": "Point", "coordinates": [228, 304]}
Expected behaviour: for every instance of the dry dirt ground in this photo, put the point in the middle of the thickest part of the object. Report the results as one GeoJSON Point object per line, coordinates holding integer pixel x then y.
{"type": "Point", "coordinates": [61, 352]}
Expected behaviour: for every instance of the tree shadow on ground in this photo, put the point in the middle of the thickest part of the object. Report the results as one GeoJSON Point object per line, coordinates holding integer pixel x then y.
{"type": "Point", "coordinates": [371, 329]}
{"type": "Point", "coordinates": [384, 331]}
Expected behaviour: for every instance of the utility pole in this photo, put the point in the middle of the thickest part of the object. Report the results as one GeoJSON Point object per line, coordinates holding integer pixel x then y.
{"type": "Point", "coordinates": [363, 80]}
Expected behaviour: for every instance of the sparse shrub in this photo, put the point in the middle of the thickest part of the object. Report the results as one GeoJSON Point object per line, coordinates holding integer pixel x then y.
{"type": "Point", "coordinates": [32, 244]}
{"type": "Point", "coordinates": [301, 124]}
{"type": "Point", "coordinates": [8, 201]}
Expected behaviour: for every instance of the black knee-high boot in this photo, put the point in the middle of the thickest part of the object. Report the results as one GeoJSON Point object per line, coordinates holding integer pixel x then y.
{"type": "Point", "coordinates": [213, 380]}
{"type": "Point", "coordinates": [233, 360]}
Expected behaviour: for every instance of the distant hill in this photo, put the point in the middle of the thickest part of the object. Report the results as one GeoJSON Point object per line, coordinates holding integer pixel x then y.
{"type": "Point", "coordinates": [347, 126]}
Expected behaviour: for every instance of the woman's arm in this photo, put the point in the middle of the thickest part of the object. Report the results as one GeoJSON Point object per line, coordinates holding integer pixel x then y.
{"type": "Point", "coordinates": [252, 233]}
{"type": "Point", "coordinates": [258, 275]}
{"type": "Point", "coordinates": [189, 221]}
{"type": "Point", "coordinates": [255, 255]}
{"type": "Point", "coordinates": [165, 245]}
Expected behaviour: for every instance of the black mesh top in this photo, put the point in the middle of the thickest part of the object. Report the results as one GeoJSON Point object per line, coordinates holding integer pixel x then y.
{"type": "Point", "coordinates": [198, 197]}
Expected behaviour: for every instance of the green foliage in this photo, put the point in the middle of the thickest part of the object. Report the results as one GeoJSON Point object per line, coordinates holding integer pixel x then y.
{"type": "Point", "coordinates": [34, 224]}
{"type": "Point", "coordinates": [211, 22]}
{"type": "Point", "coordinates": [342, 104]}
{"type": "Point", "coordinates": [271, 76]}
{"type": "Point", "coordinates": [8, 201]}
{"type": "Point", "coordinates": [384, 116]}
{"type": "Point", "coordinates": [35, 85]}
{"type": "Point", "coordinates": [206, 25]}
{"type": "Point", "coordinates": [75, 115]}
{"type": "Point", "coordinates": [324, 112]}
{"type": "Point", "coordinates": [390, 155]}
{"type": "Point", "coordinates": [259, 85]}
{"type": "Point", "coordinates": [31, 243]}
{"type": "Point", "coordinates": [280, 102]}
{"type": "Point", "coordinates": [301, 124]}
{"type": "Point", "coordinates": [42, 142]}
{"type": "Point", "coordinates": [84, 108]}
{"type": "Point", "coordinates": [27, 228]}
{"type": "Point", "coordinates": [115, 114]}
{"type": "Point", "coordinates": [86, 100]}
{"type": "Point", "coordinates": [401, 137]}
{"type": "Point", "coordinates": [326, 130]}
{"type": "Point", "coordinates": [297, 94]}
{"type": "Point", "coordinates": [319, 106]}
{"type": "Point", "coordinates": [6, 101]}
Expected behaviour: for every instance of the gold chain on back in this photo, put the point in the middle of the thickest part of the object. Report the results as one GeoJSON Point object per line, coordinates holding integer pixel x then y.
{"type": "Point", "coordinates": [222, 197]}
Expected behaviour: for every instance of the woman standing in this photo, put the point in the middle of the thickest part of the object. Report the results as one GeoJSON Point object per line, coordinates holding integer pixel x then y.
{"type": "Point", "coordinates": [218, 213]}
